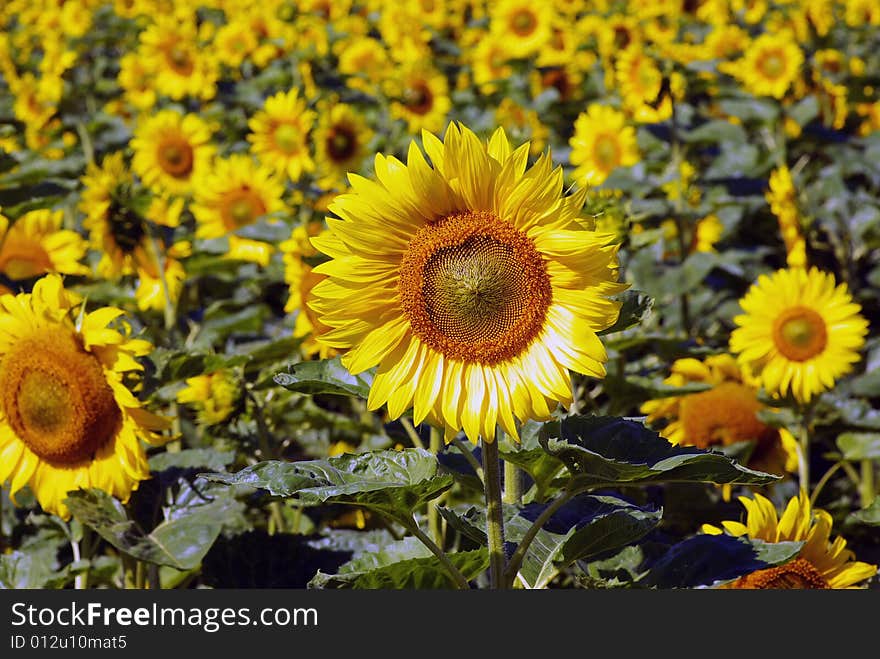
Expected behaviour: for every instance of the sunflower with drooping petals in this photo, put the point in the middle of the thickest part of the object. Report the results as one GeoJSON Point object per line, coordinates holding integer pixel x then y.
{"type": "Point", "coordinates": [279, 134]}
{"type": "Point", "coordinates": [171, 148]}
{"type": "Point", "coordinates": [154, 289]}
{"type": "Point", "coordinates": [35, 244]}
{"type": "Point", "coordinates": [726, 413]}
{"type": "Point", "coordinates": [601, 143]}
{"type": "Point", "coordinates": [67, 418]}
{"type": "Point", "coordinates": [800, 332]}
{"type": "Point", "coordinates": [821, 563]}
{"type": "Point", "coordinates": [213, 395]}
{"type": "Point", "coordinates": [470, 284]}
{"type": "Point", "coordinates": [341, 139]}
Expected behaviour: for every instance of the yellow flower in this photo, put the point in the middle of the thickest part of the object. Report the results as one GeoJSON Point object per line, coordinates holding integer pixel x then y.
{"type": "Point", "coordinates": [341, 140]}
{"type": "Point", "coordinates": [723, 415]}
{"type": "Point", "coordinates": [67, 418]}
{"type": "Point", "coordinates": [783, 203]}
{"type": "Point", "coordinates": [363, 60]}
{"type": "Point", "coordinates": [213, 395]}
{"type": "Point", "coordinates": [770, 65]}
{"type": "Point", "coordinates": [799, 332]}
{"type": "Point", "coordinates": [154, 293]}
{"type": "Point", "coordinates": [821, 563]}
{"type": "Point", "coordinates": [641, 86]}
{"type": "Point", "coordinates": [421, 97]}
{"type": "Point", "coordinates": [136, 79]}
{"type": "Point", "coordinates": [522, 125]}
{"type": "Point", "coordinates": [36, 244]}
{"type": "Point", "coordinates": [601, 143]}
{"type": "Point", "coordinates": [279, 134]}
{"type": "Point", "coordinates": [170, 149]}
{"type": "Point", "coordinates": [490, 63]}
{"type": "Point", "coordinates": [234, 42]}
{"type": "Point", "coordinates": [523, 26]}
{"type": "Point", "coordinates": [234, 194]}
{"type": "Point", "coordinates": [171, 48]}
{"type": "Point", "coordinates": [470, 285]}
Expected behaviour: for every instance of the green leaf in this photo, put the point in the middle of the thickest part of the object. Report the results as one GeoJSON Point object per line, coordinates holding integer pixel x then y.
{"type": "Point", "coordinates": [391, 482]}
{"type": "Point", "coordinates": [610, 450]}
{"type": "Point", "coordinates": [710, 560]}
{"type": "Point", "coordinates": [867, 384]}
{"type": "Point", "coordinates": [805, 110]}
{"type": "Point", "coordinates": [869, 516]}
{"type": "Point", "coordinates": [180, 542]}
{"type": "Point", "coordinates": [19, 570]}
{"type": "Point", "coordinates": [859, 445]}
{"type": "Point", "coordinates": [635, 307]}
{"type": "Point", "coordinates": [326, 376]}
{"type": "Point", "coordinates": [406, 564]}
{"type": "Point", "coordinates": [193, 458]}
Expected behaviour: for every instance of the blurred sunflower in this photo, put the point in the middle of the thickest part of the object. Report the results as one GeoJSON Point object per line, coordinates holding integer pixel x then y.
{"type": "Point", "coordinates": [770, 65]}
{"type": "Point", "coordinates": [724, 414]}
{"type": "Point", "coordinates": [171, 148]}
{"type": "Point", "coordinates": [820, 563]}
{"type": "Point", "coordinates": [67, 418]}
{"type": "Point", "coordinates": [470, 284]}
{"type": "Point", "coordinates": [341, 138]}
{"type": "Point", "coordinates": [522, 125]}
{"type": "Point", "coordinates": [279, 134]}
{"type": "Point", "coordinates": [214, 395]}
{"type": "Point", "coordinates": [421, 97]}
{"type": "Point", "coordinates": [170, 47]}
{"type": "Point", "coordinates": [235, 193]}
{"type": "Point", "coordinates": [782, 198]}
{"type": "Point", "coordinates": [136, 80]}
{"type": "Point", "coordinates": [154, 290]}
{"type": "Point", "coordinates": [799, 332]}
{"type": "Point", "coordinates": [641, 86]}
{"type": "Point", "coordinates": [523, 26]}
{"type": "Point", "coordinates": [601, 143]}
{"type": "Point", "coordinates": [35, 244]}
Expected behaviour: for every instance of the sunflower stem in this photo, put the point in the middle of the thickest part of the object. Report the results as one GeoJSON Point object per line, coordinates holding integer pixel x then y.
{"type": "Point", "coordinates": [494, 514]}
{"type": "Point", "coordinates": [867, 483]}
{"type": "Point", "coordinates": [804, 458]}
{"type": "Point", "coordinates": [433, 514]}
{"type": "Point", "coordinates": [455, 574]}
{"type": "Point", "coordinates": [512, 484]}
{"type": "Point", "coordinates": [472, 461]}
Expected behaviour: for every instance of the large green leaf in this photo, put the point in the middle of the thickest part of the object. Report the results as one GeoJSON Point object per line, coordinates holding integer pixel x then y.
{"type": "Point", "coordinates": [180, 542]}
{"type": "Point", "coordinates": [205, 458]}
{"type": "Point", "coordinates": [19, 570]}
{"type": "Point", "coordinates": [859, 445]}
{"type": "Point", "coordinates": [531, 457]}
{"type": "Point", "coordinates": [708, 560]}
{"type": "Point", "coordinates": [392, 482]}
{"type": "Point", "coordinates": [327, 376]}
{"type": "Point", "coordinates": [406, 564]}
{"type": "Point", "coordinates": [869, 516]}
{"type": "Point", "coordinates": [608, 450]}
{"type": "Point", "coordinates": [584, 528]}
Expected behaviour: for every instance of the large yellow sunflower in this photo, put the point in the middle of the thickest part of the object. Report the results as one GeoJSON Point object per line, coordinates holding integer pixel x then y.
{"type": "Point", "coordinates": [725, 414]}
{"type": "Point", "coordinates": [235, 193]}
{"type": "Point", "coordinates": [341, 140]}
{"type": "Point", "coordinates": [601, 143]}
{"type": "Point", "coordinates": [67, 418]}
{"type": "Point", "coordinates": [36, 244]}
{"type": "Point", "coordinates": [820, 564]}
{"type": "Point", "coordinates": [799, 332]}
{"type": "Point", "coordinates": [280, 134]}
{"type": "Point", "coordinates": [169, 149]}
{"type": "Point", "coordinates": [469, 284]}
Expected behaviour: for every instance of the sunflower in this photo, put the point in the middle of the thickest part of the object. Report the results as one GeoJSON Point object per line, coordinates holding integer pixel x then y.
{"type": "Point", "coordinates": [821, 563]}
{"type": "Point", "coordinates": [522, 124]}
{"type": "Point", "coordinates": [169, 149]}
{"type": "Point", "coordinates": [421, 97]}
{"type": "Point", "coordinates": [362, 60]}
{"type": "Point", "coordinates": [67, 418]}
{"type": "Point", "coordinates": [36, 244]}
{"type": "Point", "coordinates": [799, 332]}
{"type": "Point", "coordinates": [469, 284]}
{"type": "Point", "coordinates": [234, 42]}
{"type": "Point", "coordinates": [153, 291]}
{"type": "Point", "coordinates": [641, 86]}
{"type": "Point", "coordinates": [601, 143]}
{"type": "Point", "coordinates": [136, 80]}
{"type": "Point", "coordinates": [171, 48]}
{"type": "Point", "coordinates": [280, 132]}
{"type": "Point", "coordinates": [523, 26]}
{"type": "Point", "coordinates": [235, 193]}
{"type": "Point", "coordinates": [213, 395]}
{"type": "Point", "coordinates": [341, 138]}
{"type": "Point", "coordinates": [490, 63]}
{"type": "Point", "coordinates": [770, 65]}
{"type": "Point", "coordinates": [782, 198]}
{"type": "Point", "coordinates": [725, 413]}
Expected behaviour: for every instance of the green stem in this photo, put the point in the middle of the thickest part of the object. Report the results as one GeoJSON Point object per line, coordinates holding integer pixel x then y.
{"type": "Point", "coordinates": [2, 534]}
{"type": "Point", "coordinates": [867, 483]}
{"type": "Point", "coordinates": [822, 481]}
{"type": "Point", "coordinates": [517, 558]}
{"type": "Point", "coordinates": [454, 573]}
{"type": "Point", "coordinates": [472, 461]}
{"type": "Point", "coordinates": [140, 575]}
{"type": "Point", "coordinates": [512, 484]}
{"type": "Point", "coordinates": [411, 433]}
{"type": "Point", "coordinates": [804, 457]}
{"type": "Point", "coordinates": [433, 513]}
{"type": "Point", "coordinates": [494, 513]}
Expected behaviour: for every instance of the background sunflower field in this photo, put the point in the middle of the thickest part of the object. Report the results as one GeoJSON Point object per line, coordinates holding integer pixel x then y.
{"type": "Point", "coordinates": [217, 372]}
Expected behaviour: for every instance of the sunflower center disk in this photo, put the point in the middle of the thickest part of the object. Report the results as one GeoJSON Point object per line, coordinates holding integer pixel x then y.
{"type": "Point", "coordinates": [287, 138]}
{"type": "Point", "coordinates": [523, 22]}
{"type": "Point", "coordinates": [607, 152]}
{"type": "Point", "coordinates": [418, 98]}
{"type": "Point", "coordinates": [56, 398]}
{"type": "Point", "coordinates": [474, 288]}
{"type": "Point", "coordinates": [795, 575]}
{"type": "Point", "coordinates": [341, 144]}
{"type": "Point", "coordinates": [773, 65]}
{"type": "Point", "coordinates": [799, 333]}
{"type": "Point", "coordinates": [242, 207]}
{"type": "Point", "coordinates": [176, 157]}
